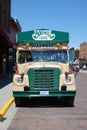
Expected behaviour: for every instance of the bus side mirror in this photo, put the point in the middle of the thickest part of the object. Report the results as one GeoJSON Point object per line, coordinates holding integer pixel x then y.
{"type": "Point", "coordinates": [71, 56]}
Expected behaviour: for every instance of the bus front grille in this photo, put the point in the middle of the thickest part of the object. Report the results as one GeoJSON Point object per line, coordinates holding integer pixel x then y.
{"type": "Point", "coordinates": [44, 78]}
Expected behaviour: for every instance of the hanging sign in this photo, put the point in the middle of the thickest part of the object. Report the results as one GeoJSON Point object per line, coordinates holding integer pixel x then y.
{"type": "Point", "coordinates": [43, 35]}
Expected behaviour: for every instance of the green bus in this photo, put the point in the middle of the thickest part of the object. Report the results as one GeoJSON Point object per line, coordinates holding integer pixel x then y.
{"type": "Point", "coordinates": [43, 59]}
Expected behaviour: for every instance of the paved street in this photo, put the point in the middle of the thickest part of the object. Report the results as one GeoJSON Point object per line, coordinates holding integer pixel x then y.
{"type": "Point", "coordinates": [46, 117]}
{"type": "Point", "coordinates": [55, 117]}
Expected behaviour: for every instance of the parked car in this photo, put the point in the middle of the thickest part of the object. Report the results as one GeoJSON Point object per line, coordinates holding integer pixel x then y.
{"type": "Point", "coordinates": [84, 67]}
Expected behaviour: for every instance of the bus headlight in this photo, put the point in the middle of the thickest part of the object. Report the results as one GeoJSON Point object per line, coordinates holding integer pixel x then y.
{"type": "Point", "coordinates": [68, 79]}
{"type": "Point", "coordinates": [19, 80]}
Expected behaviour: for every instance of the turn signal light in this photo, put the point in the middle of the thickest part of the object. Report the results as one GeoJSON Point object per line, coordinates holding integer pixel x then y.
{"type": "Point", "coordinates": [17, 72]}
{"type": "Point", "coordinates": [70, 70]}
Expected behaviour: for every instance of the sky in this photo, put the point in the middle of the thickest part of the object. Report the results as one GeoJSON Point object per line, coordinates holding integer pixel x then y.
{"type": "Point", "coordinates": [61, 15]}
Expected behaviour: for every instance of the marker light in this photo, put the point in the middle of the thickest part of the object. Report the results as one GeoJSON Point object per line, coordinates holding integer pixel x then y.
{"type": "Point", "coordinates": [57, 44]}
{"type": "Point", "coordinates": [28, 44]}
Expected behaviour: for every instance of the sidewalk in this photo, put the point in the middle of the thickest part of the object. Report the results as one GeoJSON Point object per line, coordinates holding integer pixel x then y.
{"type": "Point", "coordinates": [83, 71]}
{"type": "Point", "coordinates": [5, 95]}
{"type": "Point", "coordinates": [5, 89]}
{"type": "Point", "coordinates": [4, 80]}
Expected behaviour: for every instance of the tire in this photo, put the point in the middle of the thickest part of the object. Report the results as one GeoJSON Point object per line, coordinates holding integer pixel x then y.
{"type": "Point", "coordinates": [18, 101]}
{"type": "Point", "coordinates": [70, 101]}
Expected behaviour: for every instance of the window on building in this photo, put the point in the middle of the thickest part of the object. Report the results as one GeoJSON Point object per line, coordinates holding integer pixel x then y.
{"type": "Point", "coordinates": [5, 19]}
{"type": "Point", "coordinates": [0, 12]}
{"type": "Point", "coordinates": [8, 24]}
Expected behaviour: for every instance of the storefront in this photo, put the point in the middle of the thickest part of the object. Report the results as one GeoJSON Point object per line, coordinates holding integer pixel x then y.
{"type": "Point", "coordinates": [5, 44]}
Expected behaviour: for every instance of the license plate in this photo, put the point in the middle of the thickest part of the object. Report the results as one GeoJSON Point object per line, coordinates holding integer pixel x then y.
{"type": "Point", "coordinates": [44, 93]}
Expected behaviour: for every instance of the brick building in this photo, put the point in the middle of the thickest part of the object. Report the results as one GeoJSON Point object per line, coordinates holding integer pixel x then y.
{"type": "Point", "coordinates": [83, 54]}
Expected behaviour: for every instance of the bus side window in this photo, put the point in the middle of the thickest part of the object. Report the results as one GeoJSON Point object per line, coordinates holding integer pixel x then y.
{"type": "Point", "coordinates": [28, 57]}
{"type": "Point", "coordinates": [21, 58]}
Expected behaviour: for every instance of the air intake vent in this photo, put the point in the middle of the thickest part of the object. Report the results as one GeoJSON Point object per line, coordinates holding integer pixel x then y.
{"type": "Point", "coordinates": [44, 78]}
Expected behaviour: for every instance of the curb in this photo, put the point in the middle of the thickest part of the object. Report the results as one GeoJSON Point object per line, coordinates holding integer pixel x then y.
{"type": "Point", "coordinates": [83, 71]}
{"type": "Point", "coordinates": [4, 109]}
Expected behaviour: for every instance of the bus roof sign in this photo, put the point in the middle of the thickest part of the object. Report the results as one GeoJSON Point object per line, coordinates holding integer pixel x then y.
{"type": "Point", "coordinates": [42, 35]}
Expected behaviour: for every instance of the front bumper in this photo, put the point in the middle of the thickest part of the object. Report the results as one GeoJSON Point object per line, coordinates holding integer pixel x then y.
{"type": "Point", "coordinates": [44, 93]}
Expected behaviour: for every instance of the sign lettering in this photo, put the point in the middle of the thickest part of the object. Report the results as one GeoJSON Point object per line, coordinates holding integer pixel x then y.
{"type": "Point", "coordinates": [43, 35]}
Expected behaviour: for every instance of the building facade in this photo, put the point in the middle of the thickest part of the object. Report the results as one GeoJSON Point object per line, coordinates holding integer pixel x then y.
{"type": "Point", "coordinates": [7, 40]}
{"type": "Point", "coordinates": [5, 14]}
{"type": "Point", "coordinates": [83, 54]}
{"type": "Point", "coordinates": [14, 29]}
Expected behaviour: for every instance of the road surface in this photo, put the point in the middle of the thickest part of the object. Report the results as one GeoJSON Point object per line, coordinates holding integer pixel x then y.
{"type": "Point", "coordinates": [50, 117]}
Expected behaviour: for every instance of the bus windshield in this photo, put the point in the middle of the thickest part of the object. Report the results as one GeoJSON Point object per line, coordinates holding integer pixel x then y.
{"type": "Point", "coordinates": [42, 56]}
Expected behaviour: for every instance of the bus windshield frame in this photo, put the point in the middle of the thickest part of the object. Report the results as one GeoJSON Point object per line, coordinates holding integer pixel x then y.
{"type": "Point", "coordinates": [42, 56]}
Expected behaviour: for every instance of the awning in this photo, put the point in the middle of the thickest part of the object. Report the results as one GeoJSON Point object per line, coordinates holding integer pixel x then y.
{"type": "Point", "coordinates": [6, 37]}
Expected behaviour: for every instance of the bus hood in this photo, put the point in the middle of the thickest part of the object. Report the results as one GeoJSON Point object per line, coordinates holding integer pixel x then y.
{"type": "Point", "coordinates": [25, 67]}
